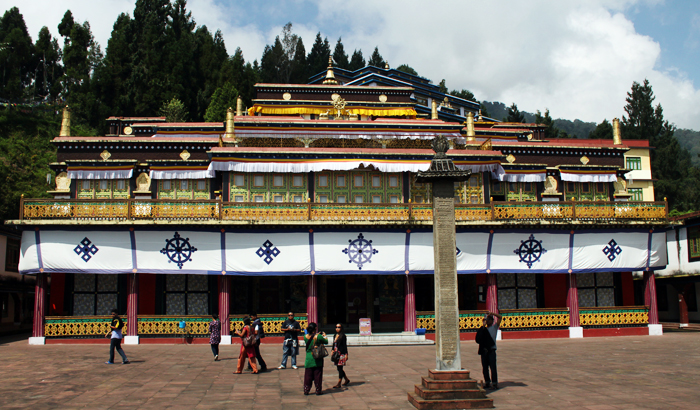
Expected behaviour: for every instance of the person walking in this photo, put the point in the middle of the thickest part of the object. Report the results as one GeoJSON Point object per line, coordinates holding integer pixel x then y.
{"type": "Point", "coordinates": [215, 335]}
{"type": "Point", "coordinates": [116, 326]}
{"type": "Point", "coordinates": [313, 368]}
{"type": "Point", "coordinates": [246, 351]}
{"type": "Point", "coordinates": [486, 338]}
{"type": "Point", "coordinates": [290, 345]}
{"type": "Point", "coordinates": [340, 351]}
{"type": "Point", "coordinates": [259, 334]}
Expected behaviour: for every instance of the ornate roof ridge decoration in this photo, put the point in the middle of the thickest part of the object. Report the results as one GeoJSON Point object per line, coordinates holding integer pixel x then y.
{"type": "Point", "coordinates": [442, 167]}
{"type": "Point", "coordinates": [318, 88]}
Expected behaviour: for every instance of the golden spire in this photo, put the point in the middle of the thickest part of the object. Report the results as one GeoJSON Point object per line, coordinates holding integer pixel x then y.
{"type": "Point", "coordinates": [471, 134]}
{"type": "Point", "coordinates": [617, 137]}
{"type": "Point", "coordinates": [239, 106]}
{"type": "Point", "coordinates": [65, 123]}
{"type": "Point", "coordinates": [433, 111]}
{"type": "Point", "coordinates": [330, 76]}
{"type": "Point", "coordinates": [230, 129]}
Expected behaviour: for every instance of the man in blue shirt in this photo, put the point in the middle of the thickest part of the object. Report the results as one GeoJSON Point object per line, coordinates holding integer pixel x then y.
{"type": "Point", "coordinates": [116, 341]}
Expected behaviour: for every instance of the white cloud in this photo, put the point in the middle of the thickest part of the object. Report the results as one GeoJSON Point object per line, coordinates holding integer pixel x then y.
{"type": "Point", "coordinates": [578, 58]}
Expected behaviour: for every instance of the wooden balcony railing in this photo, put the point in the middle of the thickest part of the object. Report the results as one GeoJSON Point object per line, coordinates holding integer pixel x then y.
{"type": "Point", "coordinates": [213, 210]}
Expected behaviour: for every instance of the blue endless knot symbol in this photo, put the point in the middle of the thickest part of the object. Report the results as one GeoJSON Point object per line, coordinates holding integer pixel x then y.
{"type": "Point", "coordinates": [268, 251]}
{"type": "Point", "coordinates": [612, 250]}
{"type": "Point", "coordinates": [360, 251]}
{"type": "Point", "coordinates": [178, 250]}
{"type": "Point", "coordinates": [530, 251]}
{"type": "Point", "coordinates": [87, 248]}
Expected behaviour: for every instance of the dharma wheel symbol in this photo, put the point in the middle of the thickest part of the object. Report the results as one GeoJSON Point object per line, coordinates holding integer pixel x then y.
{"type": "Point", "coordinates": [530, 251]}
{"type": "Point", "coordinates": [178, 250]}
{"type": "Point", "coordinates": [360, 251]}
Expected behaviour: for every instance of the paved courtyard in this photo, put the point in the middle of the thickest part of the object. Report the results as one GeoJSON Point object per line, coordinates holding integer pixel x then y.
{"type": "Point", "coordinates": [597, 373]}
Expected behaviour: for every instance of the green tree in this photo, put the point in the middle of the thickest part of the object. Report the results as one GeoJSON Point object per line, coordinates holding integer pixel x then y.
{"type": "Point", "coordinates": [317, 60]}
{"type": "Point", "coordinates": [551, 132]}
{"type": "Point", "coordinates": [224, 98]}
{"type": "Point", "coordinates": [272, 62]}
{"type": "Point", "coordinates": [514, 115]}
{"type": "Point", "coordinates": [641, 121]}
{"type": "Point", "coordinates": [406, 69]}
{"type": "Point", "coordinates": [376, 59]}
{"type": "Point", "coordinates": [173, 111]}
{"type": "Point", "coordinates": [466, 94]}
{"type": "Point", "coordinates": [603, 131]}
{"type": "Point", "coordinates": [356, 61]}
{"type": "Point", "coordinates": [300, 69]}
{"type": "Point", "coordinates": [16, 55]}
{"type": "Point", "coordinates": [339, 56]}
{"type": "Point", "coordinates": [442, 86]}
{"type": "Point", "coordinates": [47, 84]}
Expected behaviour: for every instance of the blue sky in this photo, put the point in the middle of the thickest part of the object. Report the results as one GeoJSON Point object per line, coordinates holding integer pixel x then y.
{"type": "Point", "coordinates": [578, 58]}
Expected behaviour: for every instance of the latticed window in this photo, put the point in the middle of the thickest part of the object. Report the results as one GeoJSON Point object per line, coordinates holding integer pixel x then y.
{"type": "Point", "coordinates": [95, 294]}
{"type": "Point", "coordinates": [634, 163]}
{"type": "Point", "coordinates": [694, 243]}
{"type": "Point", "coordinates": [518, 290]}
{"type": "Point", "coordinates": [186, 295]}
{"type": "Point", "coordinates": [103, 188]}
{"type": "Point", "coordinates": [596, 289]}
{"type": "Point", "coordinates": [637, 194]}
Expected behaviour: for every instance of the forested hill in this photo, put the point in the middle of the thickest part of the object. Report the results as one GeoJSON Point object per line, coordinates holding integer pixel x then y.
{"type": "Point", "coordinates": [574, 129]}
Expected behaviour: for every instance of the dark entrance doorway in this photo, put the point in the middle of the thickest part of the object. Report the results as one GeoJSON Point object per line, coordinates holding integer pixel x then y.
{"type": "Point", "coordinates": [336, 297]}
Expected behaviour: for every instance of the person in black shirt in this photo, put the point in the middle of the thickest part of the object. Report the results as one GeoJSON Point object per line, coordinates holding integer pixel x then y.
{"type": "Point", "coordinates": [259, 334]}
{"type": "Point", "coordinates": [116, 326]}
{"type": "Point", "coordinates": [290, 346]}
{"type": "Point", "coordinates": [340, 354]}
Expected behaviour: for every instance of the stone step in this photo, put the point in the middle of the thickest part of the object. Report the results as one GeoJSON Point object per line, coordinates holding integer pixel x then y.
{"type": "Point", "coordinates": [432, 384]}
{"type": "Point", "coordinates": [449, 374]}
{"type": "Point", "coordinates": [448, 394]}
{"type": "Point", "coordinates": [423, 404]}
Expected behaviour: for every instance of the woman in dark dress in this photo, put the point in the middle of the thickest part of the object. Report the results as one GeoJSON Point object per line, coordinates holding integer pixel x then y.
{"type": "Point", "coordinates": [340, 345]}
{"type": "Point", "coordinates": [215, 338]}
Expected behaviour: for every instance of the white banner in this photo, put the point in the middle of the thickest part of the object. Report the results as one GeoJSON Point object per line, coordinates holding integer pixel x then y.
{"type": "Point", "coordinates": [617, 251]}
{"type": "Point", "coordinates": [269, 253]}
{"type": "Point", "coordinates": [530, 252]}
{"type": "Point", "coordinates": [361, 251]}
{"type": "Point", "coordinates": [178, 251]}
{"type": "Point", "coordinates": [470, 252]}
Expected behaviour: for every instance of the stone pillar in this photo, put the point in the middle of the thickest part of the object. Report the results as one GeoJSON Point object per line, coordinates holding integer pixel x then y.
{"type": "Point", "coordinates": [655, 329]}
{"type": "Point", "coordinates": [39, 310]}
{"type": "Point", "coordinates": [225, 308]}
{"type": "Point", "coordinates": [312, 300]}
{"type": "Point", "coordinates": [132, 309]}
{"type": "Point", "coordinates": [491, 293]}
{"type": "Point", "coordinates": [446, 299]}
{"type": "Point", "coordinates": [575, 329]}
{"type": "Point", "coordinates": [409, 306]}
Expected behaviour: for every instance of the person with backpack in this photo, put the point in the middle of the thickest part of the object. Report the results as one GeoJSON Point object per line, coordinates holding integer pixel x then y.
{"type": "Point", "coordinates": [486, 338]}
{"type": "Point", "coordinates": [315, 352]}
{"type": "Point", "coordinates": [247, 335]}
{"type": "Point", "coordinates": [116, 326]}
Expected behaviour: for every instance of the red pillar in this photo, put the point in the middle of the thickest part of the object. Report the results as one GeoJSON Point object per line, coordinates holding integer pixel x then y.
{"type": "Point", "coordinates": [409, 306]}
{"type": "Point", "coordinates": [650, 297]}
{"type": "Point", "coordinates": [39, 305]}
{"type": "Point", "coordinates": [491, 293]}
{"type": "Point", "coordinates": [224, 304]}
{"type": "Point", "coordinates": [312, 300]}
{"type": "Point", "coordinates": [132, 305]}
{"type": "Point", "coordinates": [572, 301]}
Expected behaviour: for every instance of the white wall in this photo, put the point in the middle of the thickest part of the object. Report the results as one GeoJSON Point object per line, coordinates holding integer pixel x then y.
{"type": "Point", "coordinates": [677, 251]}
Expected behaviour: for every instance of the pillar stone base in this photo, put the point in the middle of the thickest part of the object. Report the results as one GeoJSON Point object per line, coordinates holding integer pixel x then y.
{"type": "Point", "coordinates": [576, 332]}
{"type": "Point", "coordinates": [449, 390]}
{"type": "Point", "coordinates": [656, 330]}
{"type": "Point", "coordinates": [37, 340]}
{"type": "Point", "coordinates": [131, 340]}
{"type": "Point", "coordinates": [225, 340]}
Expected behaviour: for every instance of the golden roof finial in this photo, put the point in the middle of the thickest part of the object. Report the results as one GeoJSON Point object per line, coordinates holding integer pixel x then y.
{"type": "Point", "coordinates": [617, 136]}
{"type": "Point", "coordinates": [230, 129]}
{"type": "Point", "coordinates": [471, 134]}
{"type": "Point", "coordinates": [330, 76]}
{"type": "Point", "coordinates": [239, 106]}
{"type": "Point", "coordinates": [65, 123]}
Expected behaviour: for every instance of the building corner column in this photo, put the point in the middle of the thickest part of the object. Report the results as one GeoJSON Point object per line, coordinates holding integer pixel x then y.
{"type": "Point", "coordinates": [312, 300]}
{"type": "Point", "coordinates": [575, 329]}
{"type": "Point", "coordinates": [655, 329]}
{"type": "Point", "coordinates": [38, 337]}
{"type": "Point", "coordinates": [132, 310]}
{"type": "Point", "coordinates": [225, 309]}
{"type": "Point", "coordinates": [492, 296]}
{"type": "Point", "coordinates": [409, 306]}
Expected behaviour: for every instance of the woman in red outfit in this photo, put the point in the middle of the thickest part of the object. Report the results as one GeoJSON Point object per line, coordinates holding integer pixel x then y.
{"type": "Point", "coordinates": [246, 351]}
